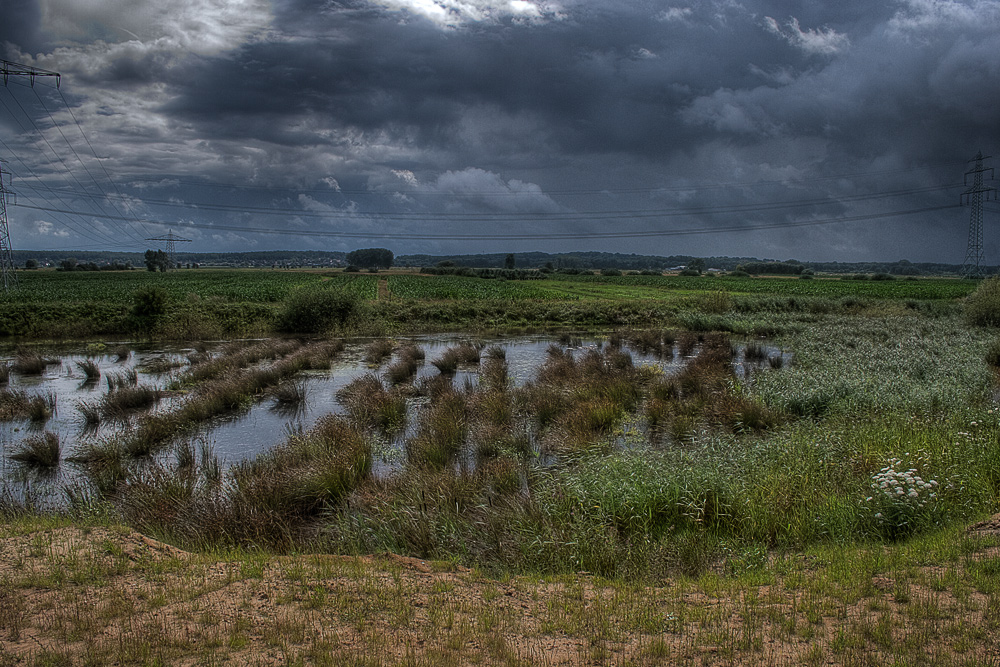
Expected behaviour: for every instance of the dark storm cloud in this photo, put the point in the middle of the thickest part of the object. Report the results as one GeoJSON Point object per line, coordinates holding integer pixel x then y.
{"type": "Point", "coordinates": [608, 79]}
{"type": "Point", "coordinates": [21, 20]}
{"type": "Point", "coordinates": [413, 100]}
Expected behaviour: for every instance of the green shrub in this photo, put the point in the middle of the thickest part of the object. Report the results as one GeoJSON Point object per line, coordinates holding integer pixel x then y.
{"type": "Point", "coordinates": [982, 307]}
{"type": "Point", "coordinates": [149, 305]}
{"type": "Point", "coordinates": [317, 310]}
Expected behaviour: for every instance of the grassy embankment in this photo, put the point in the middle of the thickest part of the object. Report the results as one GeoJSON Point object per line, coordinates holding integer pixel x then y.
{"type": "Point", "coordinates": [717, 518]}
{"type": "Point", "coordinates": [200, 304]}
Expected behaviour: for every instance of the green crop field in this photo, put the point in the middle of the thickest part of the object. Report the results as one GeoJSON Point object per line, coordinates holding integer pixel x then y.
{"type": "Point", "coordinates": [119, 287]}
{"type": "Point", "coordinates": [463, 288]}
{"type": "Point", "coordinates": [218, 302]}
{"type": "Point", "coordinates": [922, 288]}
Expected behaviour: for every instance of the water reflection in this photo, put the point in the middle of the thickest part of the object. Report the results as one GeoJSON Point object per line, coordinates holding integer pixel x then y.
{"type": "Point", "coordinates": [294, 406]}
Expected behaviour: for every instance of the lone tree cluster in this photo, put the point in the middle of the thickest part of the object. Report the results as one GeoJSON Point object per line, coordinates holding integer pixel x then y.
{"type": "Point", "coordinates": [157, 260]}
{"type": "Point", "coordinates": [367, 258]}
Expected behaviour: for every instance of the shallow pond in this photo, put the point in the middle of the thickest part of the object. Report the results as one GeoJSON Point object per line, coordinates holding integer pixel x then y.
{"type": "Point", "coordinates": [266, 423]}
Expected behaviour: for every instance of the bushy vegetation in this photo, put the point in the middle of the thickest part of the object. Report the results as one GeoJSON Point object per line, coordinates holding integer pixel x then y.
{"type": "Point", "coordinates": [318, 310]}
{"type": "Point", "coordinates": [982, 307]}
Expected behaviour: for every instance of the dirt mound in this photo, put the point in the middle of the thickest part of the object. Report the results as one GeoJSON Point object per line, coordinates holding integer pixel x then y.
{"type": "Point", "coordinates": [990, 526]}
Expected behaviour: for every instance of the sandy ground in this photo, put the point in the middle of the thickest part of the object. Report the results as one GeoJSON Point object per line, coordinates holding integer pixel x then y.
{"type": "Point", "coordinates": [111, 596]}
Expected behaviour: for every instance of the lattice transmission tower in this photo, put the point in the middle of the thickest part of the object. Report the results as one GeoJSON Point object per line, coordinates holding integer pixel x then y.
{"type": "Point", "coordinates": [973, 266]}
{"type": "Point", "coordinates": [7, 274]}
{"type": "Point", "coordinates": [171, 240]}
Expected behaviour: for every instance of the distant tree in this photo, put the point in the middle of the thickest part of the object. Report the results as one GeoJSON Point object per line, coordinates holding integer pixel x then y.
{"type": "Point", "coordinates": [696, 264]}
{"type": "Point", "coordinates": [156, 260]}
{"type": "Point", "coordinates": [68, 264]}
{"type": "Point", "coordinates": [380, 258]}
{"type": "Point", "coordinates": [149, 304]}
{"type": "Point", "coordinates": [31, 264]}
{"type": "Point", "coordinates": [508, 262]}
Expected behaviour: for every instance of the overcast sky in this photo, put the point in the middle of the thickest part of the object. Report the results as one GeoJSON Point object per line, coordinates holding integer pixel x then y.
{"type": "Point", "coordinates": [808, 130]}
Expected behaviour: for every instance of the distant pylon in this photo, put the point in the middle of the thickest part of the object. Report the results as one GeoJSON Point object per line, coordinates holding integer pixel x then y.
{"type": "Point", "coordinates": [8, 276]}
{"type": "Point", "coordinates": [170, 238]}
{"type": "Point", "coordinates": [973, 266]}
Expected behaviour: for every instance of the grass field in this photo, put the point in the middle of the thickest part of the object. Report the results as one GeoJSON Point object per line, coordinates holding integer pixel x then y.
{"type": "Point", "coordinates": [222, 303]}
{"type": "Point", "coordinates": [820, 508]}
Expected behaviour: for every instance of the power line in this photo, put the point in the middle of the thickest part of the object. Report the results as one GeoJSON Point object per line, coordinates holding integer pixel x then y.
{"type": "Point", "coordinates": [58, 157]}
{"type": "Point", "coordinates": [65, 219]}
{"type": "Point", "coordinates": [94, 153]}
{"type": "Point", "coordinates": [582, 192]}
{"type": "Point", "coordinates": [554, 216]}
{"type": "Point", "coordinates": [73, 148]}
{"type": "Point", "coordinates": [548, 235]}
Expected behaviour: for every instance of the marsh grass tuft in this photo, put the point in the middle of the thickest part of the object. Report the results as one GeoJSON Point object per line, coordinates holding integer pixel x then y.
{"type": "Point", "coordinates": [123, 380]}
{"type": "Point", "coordinates": [290, 394]}
{"type": "Point", "coordinates": [441, 432]}
{"type": "Point", "coordinates": [378, 351]}
{"type": "Point", "coordinates": [19, 404]}
{"type": "Point", "coordinates": [123, 401]}
{"type": "Point", "coordinates": [39, 450]}
{"type": "Point", "coordinates": [402, 370]}
{"type": "Point", "coordinates": [31, 363]}
{"type": "Point", "coordinates": [159, 365]}
{"type": "Point", "coordinates": [370, 405]}
{"type": "Point", "coordinates": [447, 363]}
{"type": "Point", "coordinates": [91, 370]}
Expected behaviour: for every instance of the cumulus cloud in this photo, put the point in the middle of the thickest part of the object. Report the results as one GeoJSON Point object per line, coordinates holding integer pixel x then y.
{"type": "Point", "coordinates": [475, 189]}
{"type": "Point", "coordinates": [453, 13]}
{"type": "Point", "coordinates": [200, 26]}
{"type": "Point", "coordinates": [822, 41]}
{"type": "Point", "coordinates": [46, 228]}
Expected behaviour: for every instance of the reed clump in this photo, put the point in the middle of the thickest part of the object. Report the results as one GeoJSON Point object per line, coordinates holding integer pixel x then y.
{"type": "Point", "coordinates": [447, 363]}
{"type": "Point", "coordinates": [309, 472]}
{"type": "Point", "coordinates": [39, 450]}
{"type": "Point", "coordinates": [232, 391]}
{"type": "Point", "coordinates": [19, 404]}
{"type": "Point", "coordinates": [122, 380]}
{"type": "Point", "coordinates": [441, 432]}
{"type": "Point", "coordinates": [268, 501]}
{"type": "Point", "coordinates": [235, 358]}
{"type": "Point", "coordinates": [160, 365]}
{"type": "Point", "coordinates": [370, 405]}
{"type": "Point", "coordinates": [404, 369]}
{"type": "Point", "coordinates": [120, 403]}
{"type": "Point", "coordinates": [378, 351]}
{"type": "Point", "coordinates": [91, 370]}
{"type": "Point", "coordinates": [31, 363]}
{"type": "Point", "coordinates": [290, 394]}
{"type": "Point", "coordinates": [494, 373]}
{"type": "Point", "coordinates": [452, 357]}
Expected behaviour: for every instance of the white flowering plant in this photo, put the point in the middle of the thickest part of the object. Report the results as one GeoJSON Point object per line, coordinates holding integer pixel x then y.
{"type": "Point", "coordinates": [900, 499]}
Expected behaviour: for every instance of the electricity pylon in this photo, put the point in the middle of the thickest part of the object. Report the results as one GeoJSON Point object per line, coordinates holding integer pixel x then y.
{"type": "Point", "coordinates": [974, 196]}
{"type": "Point", "coordinates": [7, 274]}
{"type": "Point", "coordinates": [170, 238]}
